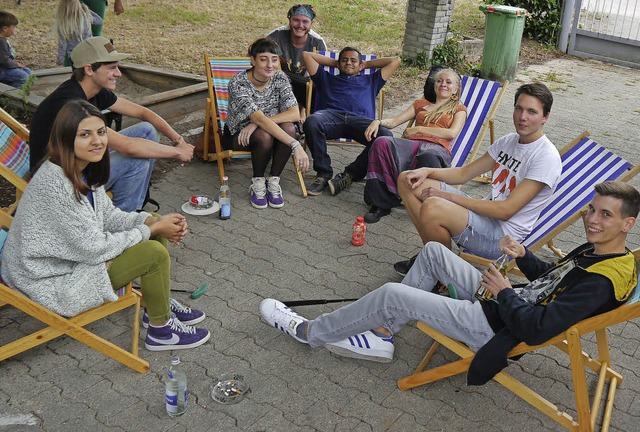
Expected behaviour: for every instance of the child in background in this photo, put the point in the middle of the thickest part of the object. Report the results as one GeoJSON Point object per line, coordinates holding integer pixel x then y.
{"type": "Point", "coordinates": [73, 25]}
{"type": "Point", "coordinates": [12, 71]}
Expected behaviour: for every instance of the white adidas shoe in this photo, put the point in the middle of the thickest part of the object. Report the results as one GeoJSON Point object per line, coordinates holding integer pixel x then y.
{"type": "Point", "coordinates": [364, 346]}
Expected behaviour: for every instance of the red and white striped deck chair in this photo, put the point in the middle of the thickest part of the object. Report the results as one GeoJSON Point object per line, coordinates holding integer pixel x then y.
{"type": "Point", "coordinates": [585, 163]}
{"type": "Point", "coordinates": [219, 71]}
{"type": "Point", "coordinates": [379, 108]}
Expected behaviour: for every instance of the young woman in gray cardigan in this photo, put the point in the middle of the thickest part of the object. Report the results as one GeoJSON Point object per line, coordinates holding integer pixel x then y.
{"type": "Point", "coordinates": [69, 248]}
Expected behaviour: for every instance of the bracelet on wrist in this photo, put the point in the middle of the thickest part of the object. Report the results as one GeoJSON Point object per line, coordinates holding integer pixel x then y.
{"type": "Point", "coordinates": [294, 144]}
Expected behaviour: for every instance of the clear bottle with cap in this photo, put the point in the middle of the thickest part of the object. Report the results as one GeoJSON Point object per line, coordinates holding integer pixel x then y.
{"type": "Point", "coordinates": [225, 199]}
{"type": "Point", "coordinates": [176, 388]}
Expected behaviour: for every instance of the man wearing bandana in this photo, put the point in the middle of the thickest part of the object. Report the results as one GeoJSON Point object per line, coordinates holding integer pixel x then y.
{"type": "Point", "coordinates": [293, 39]}
{"type": "Point", "coordinates": [132, 150]}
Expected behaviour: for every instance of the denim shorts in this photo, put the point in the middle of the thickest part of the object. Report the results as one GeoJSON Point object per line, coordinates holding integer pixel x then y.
{"type": "Point", "coordinates": [481, 236]}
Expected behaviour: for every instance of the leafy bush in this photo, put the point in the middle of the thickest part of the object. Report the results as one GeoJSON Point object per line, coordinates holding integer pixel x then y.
{"type": "Point", "coordinates": [420, 61]}
{"type": "Point", "coordinates": [449, 54]}
{"type": "Point", "coordinates": [543, 18]}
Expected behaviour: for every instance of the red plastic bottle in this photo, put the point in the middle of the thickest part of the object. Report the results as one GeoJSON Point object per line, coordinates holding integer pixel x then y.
{"type": "Point", "coordinates": [359, 228]}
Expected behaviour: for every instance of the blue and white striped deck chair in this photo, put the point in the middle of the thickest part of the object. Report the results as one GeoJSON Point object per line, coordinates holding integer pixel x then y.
{"type": "Point", "coordinates": [482, 98]}
{"type": "Point", "coordinates": [379, 109]}
{"type": "Point", "coordinates": [585, 163]}
{"type": "Point", "coordinates": [219, 71]}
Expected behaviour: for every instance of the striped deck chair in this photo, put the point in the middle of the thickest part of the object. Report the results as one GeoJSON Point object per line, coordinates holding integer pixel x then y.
{"type": "Point", "coordinates": [592, 385]}
{"type": "Point", "coordinates": [379, 108]}
{"type": "Point", "coordinates": [585, 163]}
{"type": "Point", "coordinates": [482, 98]}
{"type": "Point", "coordinates": [14, 154]}
{"type": "Point", "coordinates": [219, 71]}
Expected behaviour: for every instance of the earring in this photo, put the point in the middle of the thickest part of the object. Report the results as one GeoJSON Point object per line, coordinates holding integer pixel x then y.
{"type": "Point", "coordinates": [455, 97]}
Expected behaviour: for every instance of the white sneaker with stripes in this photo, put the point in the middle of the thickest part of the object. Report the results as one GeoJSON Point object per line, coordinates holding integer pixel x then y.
{"type": "Point", "coordinates": [364, 346]}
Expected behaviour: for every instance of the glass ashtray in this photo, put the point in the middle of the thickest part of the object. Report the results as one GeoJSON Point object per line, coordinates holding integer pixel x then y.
{"type": "Point", "coordinates": [229, 389]}
{"type": "Point", "coordinates": [201, 202]}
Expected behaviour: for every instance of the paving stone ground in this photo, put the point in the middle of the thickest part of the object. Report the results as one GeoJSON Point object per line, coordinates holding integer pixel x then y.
{"type": "Point", "coordinates": [303, 251]}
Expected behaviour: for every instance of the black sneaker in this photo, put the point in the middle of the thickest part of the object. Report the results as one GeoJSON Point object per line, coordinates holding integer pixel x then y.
{"type": "Point", "coordinates": [339, 183]}
{"type": "Point", "coordinates": [403, 267]}
{"type": "Point", "coordinates": [318, 185]}
{"type": "Point", "coordinates": [375, 214]}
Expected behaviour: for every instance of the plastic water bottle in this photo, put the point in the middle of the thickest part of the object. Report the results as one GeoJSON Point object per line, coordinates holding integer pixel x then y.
{"type": "Point", "coordinates": [225, 199]}
{"type": "Point", "coordinates": [359, 228]}
{"type": "Point", "coordinates": [176, 389]}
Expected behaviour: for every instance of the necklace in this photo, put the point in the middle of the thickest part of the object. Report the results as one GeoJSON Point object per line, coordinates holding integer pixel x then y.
{"type": "Point", "coordinates": [253, 75]}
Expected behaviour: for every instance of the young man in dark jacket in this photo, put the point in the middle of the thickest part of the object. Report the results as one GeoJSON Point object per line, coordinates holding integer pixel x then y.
{"type": "Point", "coordinates": [594, 278]}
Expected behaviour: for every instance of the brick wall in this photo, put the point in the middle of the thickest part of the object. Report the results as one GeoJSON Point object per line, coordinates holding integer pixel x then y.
{"type": "Point", "coordinates": [427, 24]}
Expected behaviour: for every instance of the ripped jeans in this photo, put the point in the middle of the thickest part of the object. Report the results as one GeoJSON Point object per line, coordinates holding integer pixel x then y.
{"type": "Point", "coordinates": [482, 235]}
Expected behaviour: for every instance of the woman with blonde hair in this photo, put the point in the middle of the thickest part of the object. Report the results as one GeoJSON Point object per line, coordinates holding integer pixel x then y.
{"type": "Point", "coordinates": [73, 25]}
{"type": "Point", "coordinates": [439, 117]}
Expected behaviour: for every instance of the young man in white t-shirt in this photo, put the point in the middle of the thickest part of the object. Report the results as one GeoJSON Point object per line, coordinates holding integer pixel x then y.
{"type": "Point", "coordinates": [526, 169]}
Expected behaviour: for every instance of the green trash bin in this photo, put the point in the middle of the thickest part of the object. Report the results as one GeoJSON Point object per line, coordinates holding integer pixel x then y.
{"type": "Point", "coordinates": [502, 37]}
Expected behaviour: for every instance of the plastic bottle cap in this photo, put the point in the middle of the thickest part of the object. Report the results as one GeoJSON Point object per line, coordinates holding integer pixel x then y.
{"type": "Point", "coordinates": [360, 219]}
{"type": "Point", "coordinates": [175, 360]}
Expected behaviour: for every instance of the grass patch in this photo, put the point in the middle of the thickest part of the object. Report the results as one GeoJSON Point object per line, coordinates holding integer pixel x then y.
{"type": "Point", "coordinates": [168, 16]}
{"type": "Point", "coordinates": [552, 77]}
{"type": "Point", "coordinates": [174, 34]}
{"type": "Point", "coordinates": [467, 19]}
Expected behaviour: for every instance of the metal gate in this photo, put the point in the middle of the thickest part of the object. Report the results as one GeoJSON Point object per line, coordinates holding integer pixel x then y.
{"type": "Point", "coordinates": [607, 30]}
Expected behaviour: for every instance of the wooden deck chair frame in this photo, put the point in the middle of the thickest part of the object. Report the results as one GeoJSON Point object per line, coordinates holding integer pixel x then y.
{"type": "Point", "coordinates": [23, 133]}
{"type": "Point", "coordinates": [617, 170]}
{"type": "Point", "coordinates": [569, 342]}
{"type": "Point", "coordinates": [482, 99]}
{"type": "Point", "coordinates": [379, 108]}
{"type": "Point", "coordinates": [58, 325]}
{"type": "Point", "coordinates": [214, 120]}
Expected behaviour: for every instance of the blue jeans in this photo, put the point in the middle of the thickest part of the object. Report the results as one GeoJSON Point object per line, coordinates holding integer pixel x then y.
{"type": "Point", "coordinates": [394, 304]}
{"type": "Point", "coordinates": [328, 124]}
{"type": "Point", "coordinates": [15, 77]}
{"type": "Point", "coordinates": [129, 177]}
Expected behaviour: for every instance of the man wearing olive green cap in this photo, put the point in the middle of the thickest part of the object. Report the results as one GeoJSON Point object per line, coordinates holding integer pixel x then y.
{"type": "Point", "coordinates": [132, 150]}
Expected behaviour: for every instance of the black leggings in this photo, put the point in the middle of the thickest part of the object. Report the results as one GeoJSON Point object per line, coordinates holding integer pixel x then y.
{"type": "Point", "coordinates": [264, 148]}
